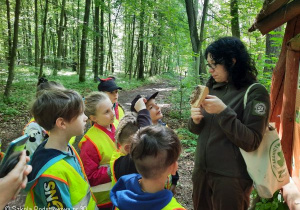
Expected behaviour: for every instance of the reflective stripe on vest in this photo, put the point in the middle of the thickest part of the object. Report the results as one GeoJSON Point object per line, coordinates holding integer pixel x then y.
{"type": "Point", "coordinates": [172, 205]}
{"type": "Point", "coordinates": [105, 147]}
{"type": "Point", "coordinates": [73, 179]}
{"type": "Point", "coordinates": [113, 159]}
{"type": "Point", "coordinates": [119, 114]}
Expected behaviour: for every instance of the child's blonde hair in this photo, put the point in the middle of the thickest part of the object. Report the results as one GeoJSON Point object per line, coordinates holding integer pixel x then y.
{"type": "Point", "coordinates": [92, 101]}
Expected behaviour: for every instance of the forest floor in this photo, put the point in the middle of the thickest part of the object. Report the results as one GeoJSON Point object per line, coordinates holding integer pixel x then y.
{"type": "Point", "coordinates": [13, 129]}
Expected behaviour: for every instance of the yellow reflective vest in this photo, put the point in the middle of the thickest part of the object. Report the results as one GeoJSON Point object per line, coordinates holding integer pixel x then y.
{"type": "Point", "coordinates": [105, 147]}
{"type": "Point", "coordinates": [60, 170]}
{"type": "Point", "coordinates": [119, 114]}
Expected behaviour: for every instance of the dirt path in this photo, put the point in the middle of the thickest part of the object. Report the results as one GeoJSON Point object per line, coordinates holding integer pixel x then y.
{"type": "Point", "coordinates": [184, 188]}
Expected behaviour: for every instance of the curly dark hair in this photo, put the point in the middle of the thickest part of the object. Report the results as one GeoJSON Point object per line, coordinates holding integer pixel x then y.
{"type": "Point", "coordinates": [241, 73]}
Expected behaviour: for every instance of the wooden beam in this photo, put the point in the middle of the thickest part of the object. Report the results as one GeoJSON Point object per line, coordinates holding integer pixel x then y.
{"type": "Point", "coordinates": [292, 28]}
{"type": "Point", "coordinates": [288, 105]}
{"type": "Point", "coordinates": [277, 18]}
{"type": "Point", "coordinates": [294, 43]}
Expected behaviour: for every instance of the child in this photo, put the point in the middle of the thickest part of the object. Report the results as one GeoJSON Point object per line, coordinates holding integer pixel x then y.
{"type": "Point", "coordinates": [97, 146]}
{"type": "Point", "coordinates": [156, 116]}
{"type": "Point", "coordinates": [37, 133]}
{"type": "Point", "coordinates": [121, 163]}
{"type": "Point", "coordinates": [57, 169]}
{"type": "Point", "coordinates": [155, 151]}
{"type": "Point", "coordinates": [109, 87]}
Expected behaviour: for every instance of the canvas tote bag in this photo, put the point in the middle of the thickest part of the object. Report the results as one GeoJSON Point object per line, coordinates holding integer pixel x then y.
{"type": "Point", "coordinates": [266, 165]}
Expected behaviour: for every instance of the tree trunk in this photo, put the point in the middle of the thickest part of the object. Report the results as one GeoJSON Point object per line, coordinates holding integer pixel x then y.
{"type": "Point", "coordinates": [234, 12]}
{"type": "Point", "coordinates": [271, 49]}
{"type": "Point", "coordinates": [102, 38]}
{"type": "Point", "coordinates": [29, 49]}
{"type": "Point", "coordinates": [43, 39]}
{"type": "Point", "coordinates": [59, 58]}
{"type": "Point", "coordinates": [78, 37]}
{"type": "Point", "coordinates": [12, 56]}
{"type": "Point", "coordinates": [96, 44]}
{"type": "Point", "coordinates": [192, 25]}
{"type": "Point", "coordinates": [200, 64]}
{"type": "Point", "coordinates": [141, 42]}
{"type": "Point", "coordinates": [36, 36]}
{"type": "Point", "coordinates": [192, 20]}
{"type": "Point", "coordinates": [83, 41]}
{"type": "Point", "coordinates": [8, 29]}
{"type": "Point", "coordinates": [131, 48]}
{"type": "Point", "coordinates": [65, 42]}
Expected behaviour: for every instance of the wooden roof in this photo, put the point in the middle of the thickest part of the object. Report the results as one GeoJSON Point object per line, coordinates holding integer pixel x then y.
{"type": "Point", "coordinates": [275, 13]}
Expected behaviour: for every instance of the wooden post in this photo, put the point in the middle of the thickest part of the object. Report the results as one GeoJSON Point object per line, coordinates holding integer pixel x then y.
{"type": "Point", "coordinates": [287, 119]}
{"type": "Point", "coordinates": [292, 28]}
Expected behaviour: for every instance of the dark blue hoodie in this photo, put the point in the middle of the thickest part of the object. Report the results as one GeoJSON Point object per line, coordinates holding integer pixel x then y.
{"type": "Point", "coordinates": [127, 195]}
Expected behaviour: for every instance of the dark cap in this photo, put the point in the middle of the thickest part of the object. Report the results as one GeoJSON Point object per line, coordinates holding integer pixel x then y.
{"type": "Point", "coordinates": [108, 85]}
{"type": "Point", "coordinates": [153, 96]}
{"type": "Point", "coordinates": [133, 103]}
{"type": "Point", "coordinates": [138, 97]}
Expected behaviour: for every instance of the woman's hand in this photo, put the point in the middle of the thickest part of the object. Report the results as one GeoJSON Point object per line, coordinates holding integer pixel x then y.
{"type": "Point", "coordinates": [196, 115]}
{"type": "Point", "coordinates": [213, 105]}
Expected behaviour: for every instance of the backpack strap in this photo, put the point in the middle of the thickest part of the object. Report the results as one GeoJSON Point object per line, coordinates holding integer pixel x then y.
{"type": "Point", "coordinates": [246, 94]}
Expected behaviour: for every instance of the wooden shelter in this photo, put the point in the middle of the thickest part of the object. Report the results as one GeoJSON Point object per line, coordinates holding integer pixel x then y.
{"type": "Point", "coordinates": [284, 86]}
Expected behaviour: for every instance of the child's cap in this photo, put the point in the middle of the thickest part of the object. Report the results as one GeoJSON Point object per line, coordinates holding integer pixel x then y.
{"type": "Point", "coordinates": [153, 96]}
{"type": "Point", "coordinates": [108, 85]}
{"type": "Point", "coordinates": [138, 97]}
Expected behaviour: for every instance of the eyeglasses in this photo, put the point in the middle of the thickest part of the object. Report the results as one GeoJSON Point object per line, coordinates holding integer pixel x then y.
{"type": "Point", "coordinates": [212, 65]}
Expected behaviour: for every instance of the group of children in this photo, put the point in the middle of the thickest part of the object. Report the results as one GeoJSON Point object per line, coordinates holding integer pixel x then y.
{"type": "Point", "coordinates": [125, 162]}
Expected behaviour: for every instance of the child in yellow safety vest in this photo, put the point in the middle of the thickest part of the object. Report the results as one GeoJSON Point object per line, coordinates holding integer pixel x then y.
{"type": "Point", "coordinates": [97, 146]}
{"type": "Point", "coordinates": [58, 179]}
{"type": "Point", "coordinates": [110, 87]}
{"type": "Point", "coordinates": [37, 134]}
{"type": "Point", "coordinates": [155, 151]}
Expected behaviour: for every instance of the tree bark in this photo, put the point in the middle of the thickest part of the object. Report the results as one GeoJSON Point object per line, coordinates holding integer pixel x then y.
{"type": "Point", "coordinates": [8, 29]}
{"type": "Point", "coordinates": [59, 57]}
{"type": "Point", "coordinates": [102, 38]}
{"type": "Point", "coordinates": [12, 56]}
{"type": "Point", "coordinates": [84, 42]}
{"type": "Point", "coordinates": [202, 67]}
{"type": "Point", "coordinates": [234, 12]}
{"type": "Point", "coordinates": [96, 43]}
{"type": "Point", "coordinates": [43, 39]}
{"type": "Point", "coordinates": [29, 49]}
{"type": "Point", "coordinates": [192, 25]}
{"type": "Point", "coordinates": [131, 48]}
{"type": "Point", "coordinates": [141, 42]}
{"type": "Point", "coordinates": [36, 36]}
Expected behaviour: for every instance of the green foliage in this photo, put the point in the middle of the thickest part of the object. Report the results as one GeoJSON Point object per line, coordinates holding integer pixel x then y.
{"type": "Point", "coordinates": [275, 203]}
{"type": "Point", "coordinates": [188, 139]}
{"type": "Point", "coordinates": [24, 87]}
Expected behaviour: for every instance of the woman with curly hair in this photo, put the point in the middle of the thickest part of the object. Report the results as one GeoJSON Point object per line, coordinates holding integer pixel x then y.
{"type": "Point", "coordinates": [224, 125]}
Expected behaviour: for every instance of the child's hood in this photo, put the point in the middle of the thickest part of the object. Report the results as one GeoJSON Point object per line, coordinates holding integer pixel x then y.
{"type": "Point", "coordinates": [127, 195]}
{"type": "Point", "coordinates": [41, 160]}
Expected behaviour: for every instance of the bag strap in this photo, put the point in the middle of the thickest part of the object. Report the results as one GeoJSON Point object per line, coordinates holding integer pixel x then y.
{"type": "Point", "coordinates": [246, 94]}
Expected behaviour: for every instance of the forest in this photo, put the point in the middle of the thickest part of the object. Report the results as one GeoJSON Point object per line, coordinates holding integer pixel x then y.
{"type": "Point", "coordinates": [137, 38]}
{"type": "Point", "coordinates": [143, 43]}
